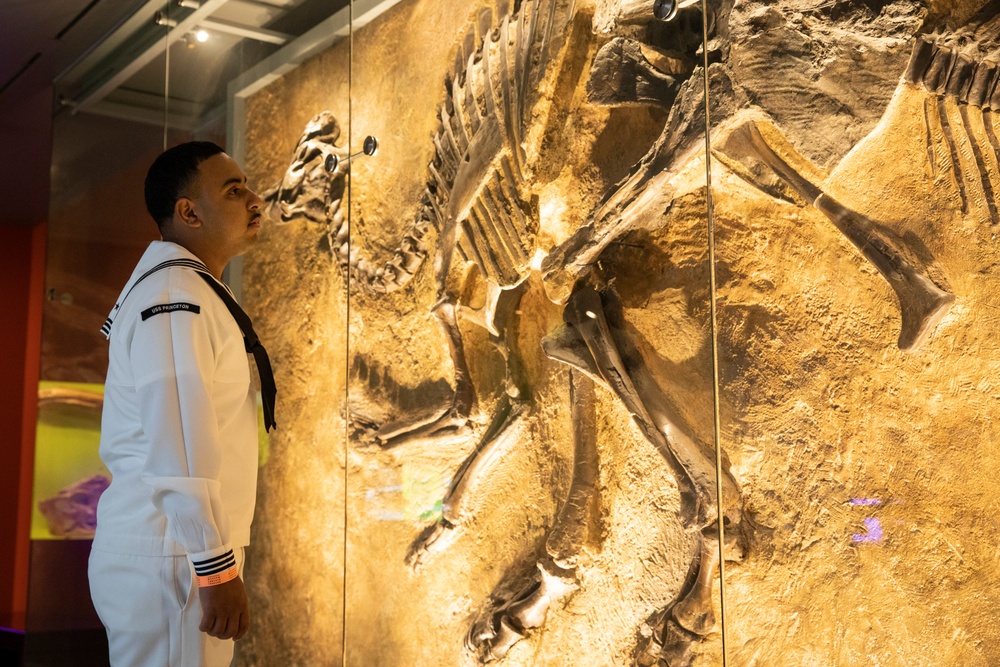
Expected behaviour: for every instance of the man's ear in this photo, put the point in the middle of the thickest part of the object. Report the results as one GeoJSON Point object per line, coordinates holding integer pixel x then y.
{"type": "Point", "coordinates": [184, 213]}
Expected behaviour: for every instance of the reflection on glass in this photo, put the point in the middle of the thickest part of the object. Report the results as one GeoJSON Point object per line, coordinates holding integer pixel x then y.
{"type": "Point", "coordinates": [97, 228]}
{"type": "Point", "coordinates": [69, 474]}
{"type": "Point", "coordinates": [208, 69]}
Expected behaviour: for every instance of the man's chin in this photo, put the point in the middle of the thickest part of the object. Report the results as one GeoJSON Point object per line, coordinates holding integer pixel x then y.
{"type": "Point", "coordinates": [249, 242]}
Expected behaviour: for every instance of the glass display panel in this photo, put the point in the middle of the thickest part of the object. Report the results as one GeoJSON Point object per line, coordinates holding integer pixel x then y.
{"type": "Point", "coordinates": [854, 183]}
{"type": "Point", "coordinates": [97, 229]}
{"type": "Point", "coordinates": [289, 115]}
{"type": "Point", "coordinates": [233, 73]}
{"type": "Point", "coordinates": [531, 466]}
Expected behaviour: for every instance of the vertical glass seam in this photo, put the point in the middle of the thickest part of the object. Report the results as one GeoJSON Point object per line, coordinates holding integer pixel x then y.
{"type": "Point", "coordinates": [166, 85]}
{"type": "Point", "coordinates": [347, 325]}
{"type": "Point", "coordinates": [716, 426]}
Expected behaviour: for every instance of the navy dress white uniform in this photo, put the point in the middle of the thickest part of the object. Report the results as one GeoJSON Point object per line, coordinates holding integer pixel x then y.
{"type": "Point", "coordinates": [179, 435]}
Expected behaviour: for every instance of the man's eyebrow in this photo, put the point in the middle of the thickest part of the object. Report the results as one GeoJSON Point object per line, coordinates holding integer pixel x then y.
{"type": "Point", "coordinates": [234, 180]}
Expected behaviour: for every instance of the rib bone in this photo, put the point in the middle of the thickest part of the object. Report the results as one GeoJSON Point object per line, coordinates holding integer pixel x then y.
{"type": "Point", "coordinates": [920, 58]}
{"type": "Point", "coordinates": [985, 78]}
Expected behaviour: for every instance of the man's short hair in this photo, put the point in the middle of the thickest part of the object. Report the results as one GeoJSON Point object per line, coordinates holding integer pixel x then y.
{"type": "Point", "coordinates": [171, 174]}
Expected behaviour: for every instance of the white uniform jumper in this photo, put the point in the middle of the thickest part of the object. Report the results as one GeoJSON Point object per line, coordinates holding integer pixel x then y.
{"type": "Point", "coordinates": [179, 435]}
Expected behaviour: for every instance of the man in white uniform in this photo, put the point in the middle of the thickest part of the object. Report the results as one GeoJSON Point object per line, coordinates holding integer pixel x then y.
{"type": "Point", "coordinates": [179, 429]}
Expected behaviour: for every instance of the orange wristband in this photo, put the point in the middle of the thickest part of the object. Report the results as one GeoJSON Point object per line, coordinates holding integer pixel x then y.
{"type": "Point", "coordinates": [218, 577]}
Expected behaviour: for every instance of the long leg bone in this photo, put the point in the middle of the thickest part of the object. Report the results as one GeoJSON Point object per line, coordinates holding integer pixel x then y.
{"type": "Point", "coordinates": [677, 628]}
{"type": "Point", "coordinates": [456, 414]}
{"type": "Point", "coordinates": [923, 300]}
{"type": "Point", "coordinates": [500, 317]}
{"type": "Point", "coordinates": [589, 343]}
{"type": "Point", "coordinates": [502, 436]}
{"type": "Point", "coordinates": [645, 400]}
{"type": "Point", "coordinates": [497, 630]}
{"type": "Point", "coordinates": [694, 612]}
{"type": "Point", "coordinates": [575, 520]}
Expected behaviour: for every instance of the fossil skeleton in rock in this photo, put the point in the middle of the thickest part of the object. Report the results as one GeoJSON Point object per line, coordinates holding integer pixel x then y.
{"type": "Point", "coordinates": [478, 198]}
{"type": "Point", "coordinates": [969, 86]}
{"type": "Point", "coordinates": [923, 294]}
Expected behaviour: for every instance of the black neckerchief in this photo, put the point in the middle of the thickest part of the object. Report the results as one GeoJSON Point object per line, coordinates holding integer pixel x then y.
{"type": "Point", "coordinates": [268, 390]}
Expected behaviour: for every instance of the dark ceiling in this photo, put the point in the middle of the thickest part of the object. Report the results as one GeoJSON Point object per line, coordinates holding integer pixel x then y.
{"type": "Point", "coordinates": [41, 38]}
{"type": "Point", "coordinates": [82, 44]}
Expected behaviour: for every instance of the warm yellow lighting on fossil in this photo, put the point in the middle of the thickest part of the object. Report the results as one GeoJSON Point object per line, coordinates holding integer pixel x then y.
{"type": "Point", "coordinates": [537, 259]}
{"type": "Point", "coordinates": [552, 216]}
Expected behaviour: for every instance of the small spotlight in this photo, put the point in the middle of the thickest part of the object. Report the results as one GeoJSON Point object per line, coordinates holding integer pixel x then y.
{"type": "Point", "coordinates": [201, 36]}
{"type": "Point", "coordinates": [666, 10]}
{"type": "Point", "coordinates": [159, 18]}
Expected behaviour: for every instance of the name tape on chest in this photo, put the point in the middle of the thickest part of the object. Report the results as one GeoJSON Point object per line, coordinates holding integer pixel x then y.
{"type": "Point", "coordinates": [170, 308]}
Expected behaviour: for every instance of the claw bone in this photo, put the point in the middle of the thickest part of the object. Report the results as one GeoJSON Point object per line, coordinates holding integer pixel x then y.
{"type": "Point", "coordinates": [495, 633]}
{"type": "Point", "coordinates": [530, 611]}
{"type": "Point", "coordinates": [694, 612]}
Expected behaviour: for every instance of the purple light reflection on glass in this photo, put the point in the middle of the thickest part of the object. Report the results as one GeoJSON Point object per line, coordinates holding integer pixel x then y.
{"type": "Point", "coordinates": [874, 534]}
{"type": "Point", "coordinates": [865, 501]}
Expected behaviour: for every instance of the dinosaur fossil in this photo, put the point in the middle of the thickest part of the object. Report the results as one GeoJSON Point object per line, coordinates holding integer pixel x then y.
{"type": "Point", "coordinates": [478, 201]}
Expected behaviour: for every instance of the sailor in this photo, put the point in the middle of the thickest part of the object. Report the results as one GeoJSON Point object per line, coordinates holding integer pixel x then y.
{"type": "Point", "coordinates": [179, 428]}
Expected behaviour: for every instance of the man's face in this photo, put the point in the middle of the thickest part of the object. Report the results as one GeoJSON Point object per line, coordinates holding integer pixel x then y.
{"type": "Point", "coordinates": [229, 211]}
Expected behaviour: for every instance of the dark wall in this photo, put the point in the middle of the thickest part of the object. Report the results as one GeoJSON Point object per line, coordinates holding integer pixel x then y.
{"type": "Point", "coordinates": [25, 134]}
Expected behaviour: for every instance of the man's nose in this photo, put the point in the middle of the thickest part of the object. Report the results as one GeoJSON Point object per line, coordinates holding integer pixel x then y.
{"type": "Point", "coordinates": [255, 201]}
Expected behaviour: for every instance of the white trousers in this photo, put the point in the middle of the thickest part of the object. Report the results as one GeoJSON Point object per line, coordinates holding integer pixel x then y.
{"type": "Point", "coordinates": [151, 610]}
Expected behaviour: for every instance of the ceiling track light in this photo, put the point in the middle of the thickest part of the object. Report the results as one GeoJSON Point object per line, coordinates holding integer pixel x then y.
{"type": "Point", "coordinates": [159, 18]}
{"type": "Point", "coordinates": [189, 4]}
{"type": "Point", "coordinates": [250, 32]}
